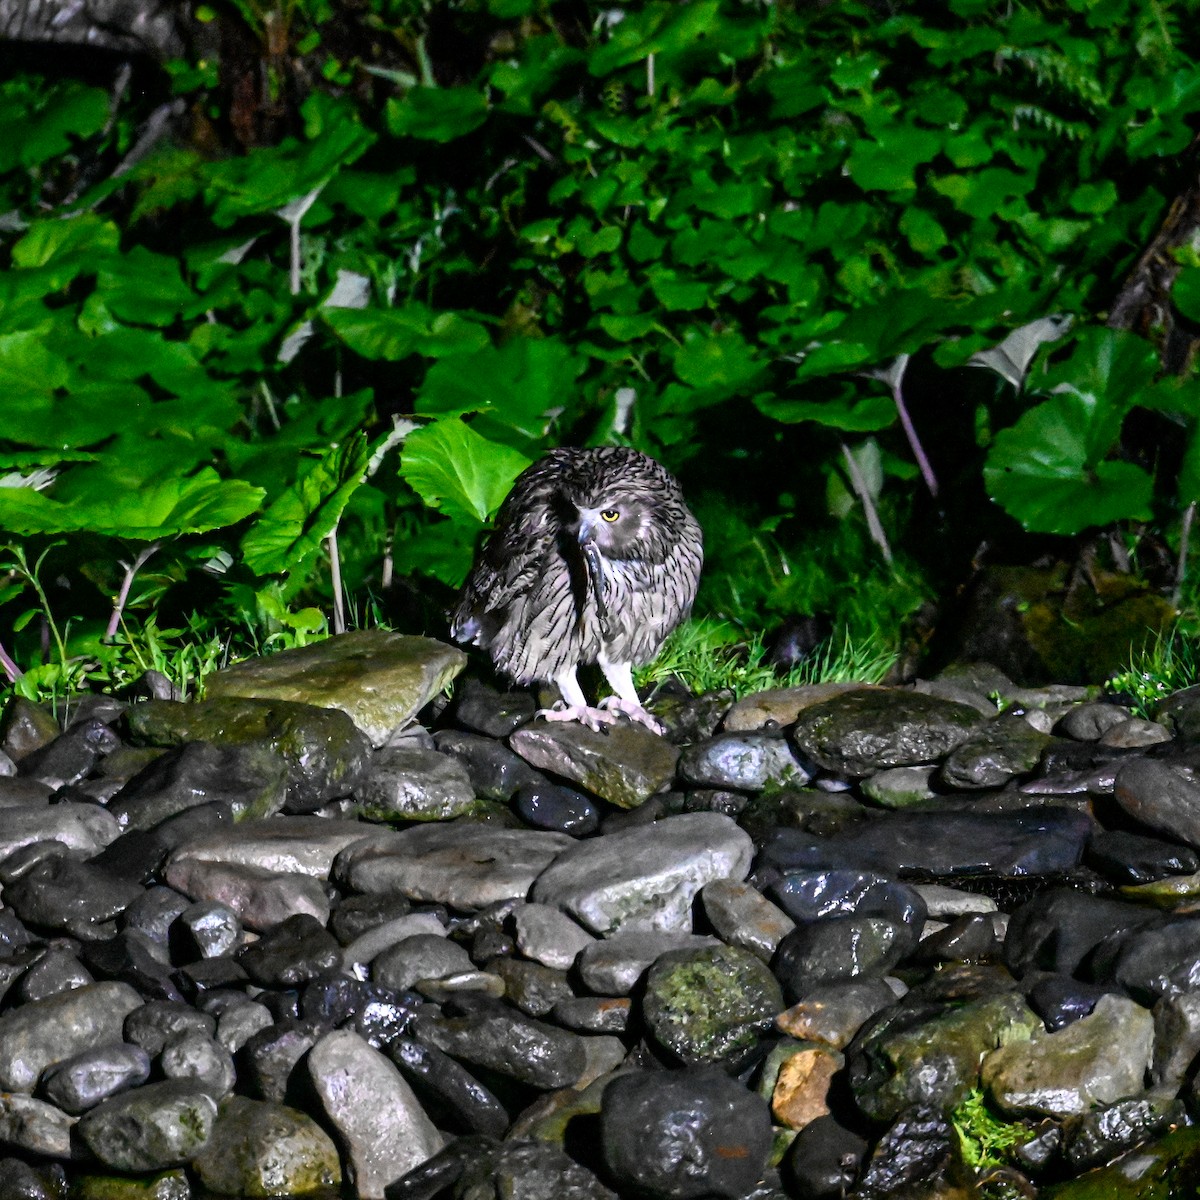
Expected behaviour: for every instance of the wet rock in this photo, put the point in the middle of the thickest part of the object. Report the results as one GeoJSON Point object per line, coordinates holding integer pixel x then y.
{"type": "Point", "coordinates": [264, 1149]}
{"type": "Point", "coordinates": [965, 939]}
{"type": "Point", "coordinates": [686, 1134]}
{"type": "Point", "coordinates": [61, 893]}
{"type": "Point", "coordinates": [919, 1155]}
{"type": "Point", "coordinates": [916, 1056]}
{"type": "Point", "coordinates": [82, 1081]}
{"type": "Point", "coordinates": [23, 793]}
{"type": "Point", "coordinates": [58, 970]}
{"type": "Point", "coordinates": [292, 845]}
{"type": "Point", "coordinates": [546, 805]}
{"type": "Point", "coordinates": [1096, 1060]}
{"type": "Point", "coordinates": [358, 915]}
{"type": "Point", "coordinates": [160, 1125]}
{"type": "Point", "coordinates": [808, 896]}
{"type": "Point", "coordinates": [645, 878]}
{"type": "Point", "coordinates": [1134, 733]}
{"type": "Point", "coordinates": [994, 753]}
{"type": "Point", "coordinates": [1176, 1038]}
{"type": "Point", "coordinates": [25, 727]}
{"type": "Point", "coordinates": [414, 785]}
{"type": "Point", "coordinates": [837, 949]}
{"type": "Point", "coordinates": [421, 956]}
{"type": "Point", "coordinates": [868, 730]}
{"type": "Point", "coordinates": [1132, 858]}
{"type": "Point", "coordinates": [1061, 999]}
{"type": "Point", "coordinates": [493, 1035]}
{"type": "Point", "coordinates": [530, 1170]}
{"type": "Point", "coordinates": [900, 787]}
{"type": "Point", "coordinates": [1161, 960]}
{"type": "Point", "coordinates": [623, 766]}
{"type": "Point", "coordinates": [593, 1014]}
{"type": "Point", "coordinates": [86, 828]}
{"type": "Point", "coordinates": [200, 1060]}
{"type": "Point", "coordinates": [1162, 1169]}
{"type": "Point", "coordinates": [261, 899]}
{"type": "Point", "coordinates": [613, 966]}
{"type": "Point", "coordinates": [833, 1014]}
{"type": "Point", "coordinates": [325, 753]}
{"type": "Point", "coordinates": [781, 706]}
{"type": "Point", "coordinates": [272, 1062]}
{"type": "Point", "coordinates": [484, 710]}
{"type": "Point", "coordinates": [38, 1035]}
{"type": "Point", "coordinates": [296, 950]}
{"type": "Point", "coordinates": [370, 945]}
{"type": "Point", "coordinates": [208, 930]}
{"type": "Point", "coordinates": [381, 1124]}
{"type": "Point", "coordinates": [1161, 798]}
{"type": "Point", "coordinates": [450, 1092]}
{"type": "Point", "coordinates": [238, 1023]}
{"type": "Point", "coordinates": [745, 761]}
{"type": "Point", "coordinates": [801, 1090]}
{"type": "Point", "coordinates": [495, 772]}
{"type": "Point", "coordinates": [70, 756]}
{"type": "Point", "coordinates": [1090, 721]}
{"type": "Point", "coordinates": [549, 936]}
{"type": "Point", "coordinates": [250, 779]}
{"type": "Point", "coordinates": [710, 1005]}
{"type": "Point", "coordinates": [1046, 841]}
{"type": "Point", "coordinates": [465, 866]}
{"type": "Point", "coordinates": [1180, 713]}
{"type": "Point", "coordinates": [35, 1127]}
{"type": "Point", "coordinates": [824, 1159]}
{"type": "Point", "coordinates": [381, 680]}
{"type": "Point", "coordinates": [152, 1025]}
{"type": "Point", "coordinates": [1099, 1136]}
{"type": "Point", "coordinates": [743, 917]}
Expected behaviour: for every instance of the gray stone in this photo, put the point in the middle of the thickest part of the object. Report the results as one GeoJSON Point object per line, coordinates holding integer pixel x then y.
{"type": "Point", "coordinates": [533, 988]}
{"type": "Point", "coordinates": [260, 1149]}
{"type": "Point", "coordinates": [869, 730]}
{"type": "Point", "coordinates": [35, 1127]}
{"type": "Point", "coordinates": [382, 1126]}
{"type": "Point", "coordinates": [1134, 733]}
{"type": "Point", "coordinates": [834, 949]}
{"type": "Point", "coordinates": [200, 1059]}
{"type": "Point", "coordinates": [212, 929]}
{"type": "Point", "coordinates": [369, 946]}
{"type": "Point", "coordinates": [1160, 797]}
{"type": "Point", "coordinates": [38, 1035]}
{"type": "Point", "coordinates": [1090, 721]}
{"type": "Point", "coordinates": [414, 785]}
{"type": "Point", "coordinates": [86, 828]}
{"type": "Point", "coordinates": [58, 970]}
{"type": "Point", "coordinates": [833, 1014]}
{"type": "Point", "coordinates": [25, 727]}
{"type": "Point", "coordinates": [482, 709]}
{"type": "Point", "coordinates": [421, 956]}
{"type": "Point", "coordinates": [238, 1023]}
{"type": "Point", "coordinates": [748, 762]}
{"type": "Point", "coordinates": [18, 792]}
{"type": "Point", "coordinates": [613, 966]}
{"type": "Point", "coordinates": [260, 898]}
{"type": "Point", "coordinates": [743, 916]}
{"type": "Point", "coordinates": [160, 1125]}
{"type": "Point", "coordinates": [1096, 1060]}
{"type": "Point", "coordinates": [61, 893]}
{"type": "Point", "coordinates": [625, 765]}
{"type": "Point", "coordinates": [381, 680]}
{"type": "Point", "coordinates": [994, 753]}
{"type": "Point", "coordinates": [81, 1082]}
{"type": "Point", "coordinates": [153, 1024]}
{"type": "Point", "coordinates": [291, 845]}
{"type": "Point", "coordinates": [942, 901]}
{"type": "Point", "coordinates": [529, 1170]}
{"type": "Point", "coordinates": [645, 877]}
{"type": "Point", "coordinates": [463, 865]}
{"type": "Point", "coordinates": [1176, 1038]}
{"type": "Point", "coordinates": [325, 753]}
{"type": "Point", "coordinates": [900, 787]}
{"type": "Point", "coordinates": [781, 706]}
{"type": "Point", "coordinates": [549, 936]}
{"type": "Point", "coordinates": [1160, 960]}
{"type": "Point", "coordinates": [293, 952]}
{"type": "Point", "coordinates": [495, 772]}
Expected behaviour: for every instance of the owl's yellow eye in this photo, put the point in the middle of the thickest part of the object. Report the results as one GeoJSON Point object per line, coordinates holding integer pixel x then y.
{"type": "Point", "coordinates": [610, 515]}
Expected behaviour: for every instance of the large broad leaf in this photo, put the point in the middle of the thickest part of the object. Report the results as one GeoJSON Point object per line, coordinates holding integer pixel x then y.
{"type": "Point", "coordinates": [66, 247]}
{"type": "Point", "coordinates": [294, 526]}
{"type": "Point", "coordinates": [27, 370]}
{"type": "Point", "coordinates": [1010, 358]}
{"type": "Point", "coordinates": [160, 508]}
{"type": "Point", "coordinates": [395, 333]}
{"type": "Point", "coordinates": [888, 162]}
{"type": "Point", "coordinates": [145, 288]}
{"type": "Point", "coordinates": [1043, 470]}
{"type": "Point", "coordinates": [436, 114]}
{"type": "Point", "coordinates": [72, 111]}
{"type": "Point", "coordinates": [721, 360]}
{"type": "Point", "coordinates": [849, 412]}
{"type": "Point", "coordinates": [658, 28]}
{"type": "Point", "coordinates": [519, 383]}
{"type": "Point", "coordinates": [1185, 291]}
{"type": "Point", "coordinates": [453, 468]}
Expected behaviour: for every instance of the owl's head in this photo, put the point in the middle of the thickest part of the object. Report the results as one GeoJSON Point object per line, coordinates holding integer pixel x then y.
{"type": "Point", "coordinates": [621, 524]}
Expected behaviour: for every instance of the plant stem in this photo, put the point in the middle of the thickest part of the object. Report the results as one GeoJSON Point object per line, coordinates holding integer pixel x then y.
{"type": "Point", "coordinates": [10, 667]}
{"type": "Point", "coordinates": [131, 570]}
{"type": "Point", "coordinates": [335, 577]}
{"type": "Point", "coordinates": [1189, 515]}
{"type": "Point", "coordinates": [910, 432]}
{"type": "Point", "coordinates": [295, 266]}
{"type": "Point", "coordinates": [859, 484]}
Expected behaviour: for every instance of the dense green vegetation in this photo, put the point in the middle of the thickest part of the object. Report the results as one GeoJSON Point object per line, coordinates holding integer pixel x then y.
{"type": "Point", "coordinates": [844, 268]}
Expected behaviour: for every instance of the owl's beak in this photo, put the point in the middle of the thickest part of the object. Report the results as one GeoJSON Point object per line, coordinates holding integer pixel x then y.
{"type": "Point", "coordinates": [595, 569]}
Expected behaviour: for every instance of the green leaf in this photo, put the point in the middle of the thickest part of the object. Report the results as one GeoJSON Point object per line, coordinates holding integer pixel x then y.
{"type": "Point", "coordinates": [436, 114]}
{"type": "Point", "coordinates": [889, 165]}
{"type": "Point", "coordinates": [520, 383]}
{"type": "Point", "coordinates": [159, 508]}
{"type": "Point", "coordinates": [67, 247]}
{"type": "Point", "coordinates": [395, 333]}
{"type": "Point", "coordinates": [297, 522]}
{"type": "Point", "coordinates": [924, 233]}
{"type": "Point", "coordinates": [1185, 292]}
{"type": "Point", "coordinates": [723, 360]}
{"type": "Point", "coordinates": [848, 412]}
{"type": "Point", "coordinates": [1094, 198]}
{"type": "Point", "coordinates": [1043, 470]}
{"type": "Point", "coordinates": [144, 288]}
{"type": "Point", "coordinates": [455, 470]}
{"type": "Point", "coordinates": [71, 111]}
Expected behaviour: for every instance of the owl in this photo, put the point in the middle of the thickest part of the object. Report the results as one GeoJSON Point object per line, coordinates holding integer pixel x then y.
{"type": "Point", "coordinates": [595, 558]}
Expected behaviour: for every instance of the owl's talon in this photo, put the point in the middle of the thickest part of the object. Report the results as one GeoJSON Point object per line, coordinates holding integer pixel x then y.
{"type": "Point", "coordinates": [596, 719]}
{"type": "Point", "coordinates": [635, 712]}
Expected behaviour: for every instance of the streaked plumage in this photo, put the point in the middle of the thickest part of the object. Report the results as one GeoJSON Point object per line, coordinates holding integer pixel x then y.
{"type": "Point", "coordinates": [595, 558]}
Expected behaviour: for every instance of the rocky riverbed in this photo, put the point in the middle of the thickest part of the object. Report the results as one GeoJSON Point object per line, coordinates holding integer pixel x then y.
{"type": "Point", "coordinates": [345, 925]}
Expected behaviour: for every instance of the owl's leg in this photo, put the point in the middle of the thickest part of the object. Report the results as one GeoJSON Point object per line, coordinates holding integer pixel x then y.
{"type": "Point", "coordinates": [574, 704]}
{"type": "Point", "coordinates": [625, 700]}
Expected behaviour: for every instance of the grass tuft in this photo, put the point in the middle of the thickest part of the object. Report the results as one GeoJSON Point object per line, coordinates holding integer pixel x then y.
{"type": "Point", "coordinates": [1163, 665]}
{"type": "Point", "coordinates": [986, 1139]}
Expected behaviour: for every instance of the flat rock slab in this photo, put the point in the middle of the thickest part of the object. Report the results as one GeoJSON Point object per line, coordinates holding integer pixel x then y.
{"type": "Point", "coordinates": [781, 706]}
{"type": "Point", "coordinates": [85, 827]}
{"type": "Point", "coordinates": [380, 680]}
{"type": "Point", "coordinates": [465, 866]}
{"type": "Point", "coordinates": [1161, 798]}
{"type": "Point", "coordinates": [645, 877]}
{"type": "Point", "coordinates": [261, 899]}
{"type": "Point", "coordinates": [299, 845]}
{"type": "Point", "coordinates": [624, 766]}
{"type": "Point", "coordinates": [871, 729]}
{"type": "Point", "coordinates": [44, 1032]}
{"type": "Point", "coordinates": [153, 1127]}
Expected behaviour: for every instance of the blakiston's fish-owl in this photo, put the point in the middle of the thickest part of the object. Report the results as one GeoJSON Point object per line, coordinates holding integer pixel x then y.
{"type": "Point", "coordinates": [595, 558]}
